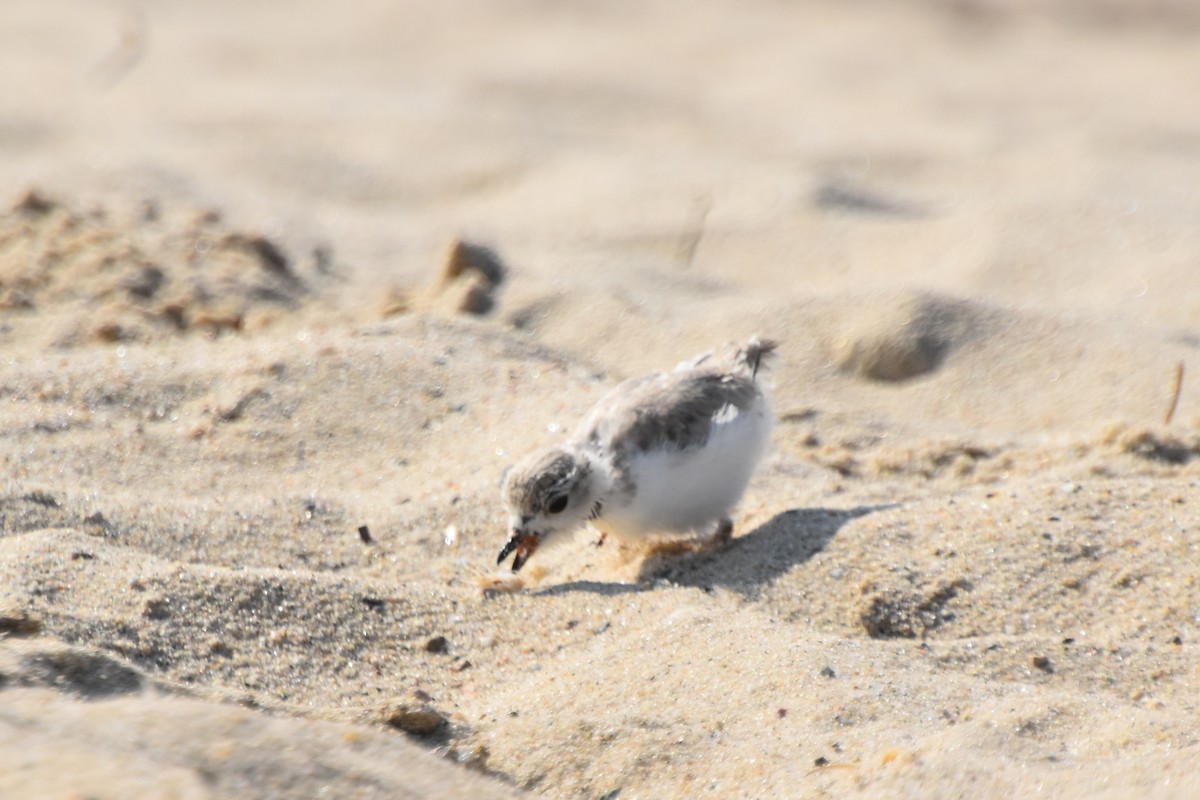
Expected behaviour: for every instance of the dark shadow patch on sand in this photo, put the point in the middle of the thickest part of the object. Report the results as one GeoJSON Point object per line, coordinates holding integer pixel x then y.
{"type": "Point", "coordinates": [1156, 446]}
{"type": "Point", "coordinates": [34, 510]}
{"type": "Point", "coordinates": [594, 587]}
{"type": "Point", "coordinates": [840, 196]}
{"type": "Point", "coordinates": [89, 675]}
{"type": "Point", "coordinates": [39, 510]}
{"type": "Point", "coordinates": [911, 614]}
{"type": "Point", "coordinates": [754, 560]}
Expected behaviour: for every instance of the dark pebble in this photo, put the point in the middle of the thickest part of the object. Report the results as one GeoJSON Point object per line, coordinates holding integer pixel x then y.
{"type": "Point", "coordinates": [411, 719]}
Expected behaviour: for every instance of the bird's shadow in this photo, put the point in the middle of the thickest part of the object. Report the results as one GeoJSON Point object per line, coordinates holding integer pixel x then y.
{"type": "Point", "coordinates": [747, 563]}
{"type": "Point", "coordinates": [594, 587]}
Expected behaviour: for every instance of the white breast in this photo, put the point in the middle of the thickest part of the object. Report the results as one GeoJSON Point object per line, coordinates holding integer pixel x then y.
{"type": "Point", "coordinates": [685, 491]}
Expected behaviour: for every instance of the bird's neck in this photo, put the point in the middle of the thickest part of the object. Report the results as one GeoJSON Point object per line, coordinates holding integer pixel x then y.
{"type": "Point", "coordinates": [601, 481]}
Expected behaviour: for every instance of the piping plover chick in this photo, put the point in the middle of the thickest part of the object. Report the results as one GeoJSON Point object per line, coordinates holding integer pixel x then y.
{"type": "Point", "coordinates": [668, 453]}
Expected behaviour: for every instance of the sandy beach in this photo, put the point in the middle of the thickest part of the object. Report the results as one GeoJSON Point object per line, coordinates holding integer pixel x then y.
{"type": "Point", "coordinates": [283, 291]}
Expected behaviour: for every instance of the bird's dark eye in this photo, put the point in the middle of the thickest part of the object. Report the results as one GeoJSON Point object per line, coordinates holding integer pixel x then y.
{"type": "Point", "coordinates": [557, 504]}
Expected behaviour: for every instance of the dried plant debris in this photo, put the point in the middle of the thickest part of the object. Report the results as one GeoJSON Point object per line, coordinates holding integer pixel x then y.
{"type": "Point", "coordinates": [107, 276]}
{"type": "Point", "coordinates": [493, 584]}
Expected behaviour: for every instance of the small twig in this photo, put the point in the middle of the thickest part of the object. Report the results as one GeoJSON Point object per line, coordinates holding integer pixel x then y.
{"type": "Point", "coordinates": [1175, 394]}
{"type": "Point", "coordinates": [128, 51]}
{"type": "Point", "coordinates": [689, 241]}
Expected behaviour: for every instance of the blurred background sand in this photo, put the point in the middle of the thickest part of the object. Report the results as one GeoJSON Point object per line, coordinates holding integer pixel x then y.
{"type": "Point", "coordinates": [270, 275]}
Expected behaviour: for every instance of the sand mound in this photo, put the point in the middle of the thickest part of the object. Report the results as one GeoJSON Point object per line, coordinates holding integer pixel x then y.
{"type": "Point", "coordinates": [243, 559]}
{"type": "Point", "coordinates": [900, 337]}
{"type": "Point", "coordinates": [995, 577]}
{"type": "Point", "coordinates": [131, 741]}
{"type": "Point", "coordinates": [960, 364]}
{"type": "Point", "coordinates": [467, 282]}
{"type": "Point", "coordinates": [69, 277]}
{"type": "Point", "coordinates": [974, 366]}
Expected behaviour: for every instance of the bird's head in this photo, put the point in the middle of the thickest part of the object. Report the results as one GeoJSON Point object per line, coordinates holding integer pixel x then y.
{"type": "Point", "coordinates": [547, 495]}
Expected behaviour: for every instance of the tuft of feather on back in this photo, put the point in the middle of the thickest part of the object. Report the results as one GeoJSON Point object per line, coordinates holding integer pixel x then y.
{"type": "Point", "coordinates": [751, 354]}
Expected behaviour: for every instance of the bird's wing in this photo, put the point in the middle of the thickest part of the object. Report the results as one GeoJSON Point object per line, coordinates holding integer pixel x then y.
{"type": "Point", "coordinates": [673, 411]}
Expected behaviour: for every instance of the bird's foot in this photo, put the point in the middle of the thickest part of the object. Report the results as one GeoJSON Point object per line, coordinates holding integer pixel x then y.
{"type": "Point", "coordinates": [722, 536]}
{"type": "Point", "coordinates": [672, 547]}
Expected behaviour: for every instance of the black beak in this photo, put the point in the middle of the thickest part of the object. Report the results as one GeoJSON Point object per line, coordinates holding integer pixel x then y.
{"type": "Point", "coordinates": [523, 543]}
